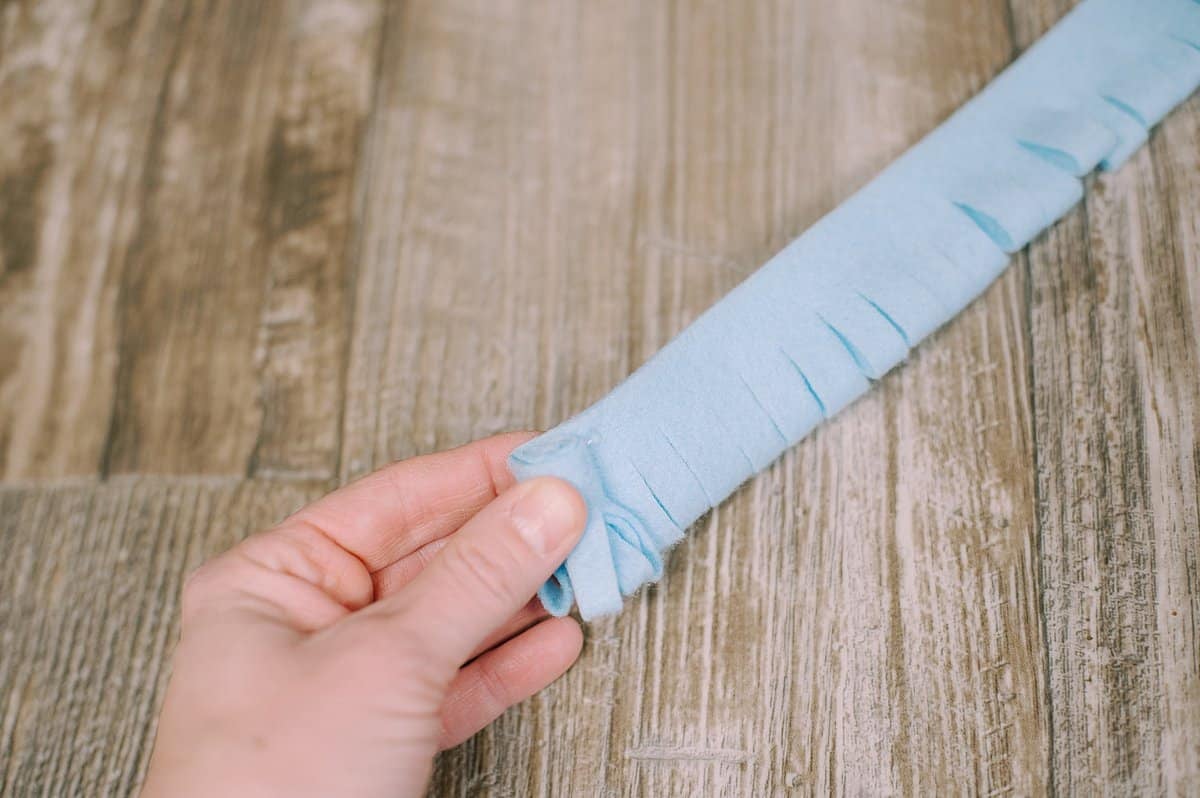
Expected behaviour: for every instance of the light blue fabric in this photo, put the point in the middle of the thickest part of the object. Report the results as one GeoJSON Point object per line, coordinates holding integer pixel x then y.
{"type": "Point", "coordinates": [841, 305]}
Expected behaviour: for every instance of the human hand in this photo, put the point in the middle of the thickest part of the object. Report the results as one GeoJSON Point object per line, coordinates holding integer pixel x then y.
{"type": "Point", "coordinates": [338, 652]}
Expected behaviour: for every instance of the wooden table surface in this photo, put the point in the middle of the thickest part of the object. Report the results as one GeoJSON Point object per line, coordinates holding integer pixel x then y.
{"type": "Point", "coordinates": [249, 250]}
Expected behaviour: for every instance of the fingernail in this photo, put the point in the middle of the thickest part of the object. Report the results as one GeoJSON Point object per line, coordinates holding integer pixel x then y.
{"type": "Point", "coordinates": [546, 515]}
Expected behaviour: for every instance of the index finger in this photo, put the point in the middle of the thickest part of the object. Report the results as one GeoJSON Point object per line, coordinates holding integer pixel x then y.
{"type": "Point", "coordinates": [394, 511]}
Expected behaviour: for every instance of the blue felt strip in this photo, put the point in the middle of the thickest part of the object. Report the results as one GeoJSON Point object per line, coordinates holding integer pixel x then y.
{"type": "Point", "coordinates": [841, 305]}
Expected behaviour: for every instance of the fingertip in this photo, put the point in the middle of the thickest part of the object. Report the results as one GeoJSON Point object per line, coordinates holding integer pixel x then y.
{"type": "Point", "coordinates": [557, 643]}
{"type": "Point", "coordinates": [507, 675]}
{"type": "Point", "coordinates": [569, 636]}
{"type": "Point", "coordinates": [496, 450]}
{"type": "Point", "coordinates": [516, 437]}
{"type": "Point", "coordinates": [550, 514]}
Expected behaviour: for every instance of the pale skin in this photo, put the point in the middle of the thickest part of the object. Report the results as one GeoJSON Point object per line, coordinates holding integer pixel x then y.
{"type": "Point", "coordinates": [338, 652]}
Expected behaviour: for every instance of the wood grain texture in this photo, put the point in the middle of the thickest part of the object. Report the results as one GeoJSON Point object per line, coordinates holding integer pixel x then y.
{"type": "Point", "coordinates": [1116, 421]}
{"type": "Point", "coordinates": [251, 248]}
{"type": "Point", "coordinates": [1115, 333]}
{"type": "Point", "coordinates": [176, 219]}
{"type": "Point", "coordinates": [91, 582]}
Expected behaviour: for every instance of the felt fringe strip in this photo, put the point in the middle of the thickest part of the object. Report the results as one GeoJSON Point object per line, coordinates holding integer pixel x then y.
{"type": "Point", "coordinates": [840, 306]}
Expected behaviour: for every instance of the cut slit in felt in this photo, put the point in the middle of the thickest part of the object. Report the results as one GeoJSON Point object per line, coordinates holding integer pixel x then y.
{"type": "Point", "coordinates": [836, 309]}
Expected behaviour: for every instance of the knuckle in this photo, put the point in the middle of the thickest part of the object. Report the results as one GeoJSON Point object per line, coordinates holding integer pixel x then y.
{"type": "Point", "coordinates": [305, 550]}
{"type": "Point", "coordinates": [200, 585]}
{"type": "Point", "coordinates": [494, 690]}
{"type": "Point", "coordinates": [199, 581]}
{"type": "Point", "coordinates": [488, 569]}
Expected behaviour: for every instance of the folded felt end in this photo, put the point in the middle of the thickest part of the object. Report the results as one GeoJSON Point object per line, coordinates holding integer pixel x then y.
{"type": "Point", "coordinates": [556, 593]}
{"type": "Point", "coordinates": [614, 556]}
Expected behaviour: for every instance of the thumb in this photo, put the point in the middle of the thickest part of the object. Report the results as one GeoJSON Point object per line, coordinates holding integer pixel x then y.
{"type": "Point", "coordinates": [491, 567]}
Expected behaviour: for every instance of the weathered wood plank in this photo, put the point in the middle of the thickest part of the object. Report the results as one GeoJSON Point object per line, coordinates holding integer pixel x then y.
{"type": "Point", "coordinates": [309, 208]}
{"type": "Point", "coordinates": [89, 585]}
{"type": "Point", "coordinates": [176, 221]}
{"type": "Point", "coordinates": [77, 88]}
{"type": "Point", "coordinates": [1115, 341]}
{"type": "Point", "coordinates": [240, 309]}
{"type": "Point", "coordinates": [497, 221]}
{"type": "Point", "coordinates": [1117, 369]}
